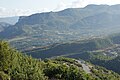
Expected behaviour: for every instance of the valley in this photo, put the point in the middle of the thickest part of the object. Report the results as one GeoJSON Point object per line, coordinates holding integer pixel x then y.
{"type": "Point", "coordinates": [72, 44]}
{"type": "Point", "coordinates": [72, 24]}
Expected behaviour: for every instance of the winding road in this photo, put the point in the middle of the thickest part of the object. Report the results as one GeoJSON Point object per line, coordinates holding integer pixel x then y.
{"type": "Point", "coordinates": [85, 66]}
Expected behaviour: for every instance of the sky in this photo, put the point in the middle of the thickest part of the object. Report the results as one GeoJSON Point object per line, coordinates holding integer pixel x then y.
{"type": "Point", "coordinates": [10, 8]}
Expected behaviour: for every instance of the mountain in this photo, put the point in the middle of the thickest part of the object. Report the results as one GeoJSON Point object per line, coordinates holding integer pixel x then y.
{"type": "Point", "coordinates": [89, 34]}
{"type": "Point", "coordinates": [9, 20]}
{"type": "Point", "coordinates": [17, 66]}
{"type": "Point", "coordinates": [3, 26]}
{"type": "Point", "coordinates": [42, 29]}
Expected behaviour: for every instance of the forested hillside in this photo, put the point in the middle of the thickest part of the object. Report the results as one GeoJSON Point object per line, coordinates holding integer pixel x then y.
{"type": "Point", "coordinates": [70, 48]}
{"type": "Point", "coordinates": [100, 51]}
{"type": "Point", "coordinates": [16, 66]}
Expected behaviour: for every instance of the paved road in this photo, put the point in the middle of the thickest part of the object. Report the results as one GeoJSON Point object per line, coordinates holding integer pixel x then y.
{"type": "Point", "coordinates": [85, 66]}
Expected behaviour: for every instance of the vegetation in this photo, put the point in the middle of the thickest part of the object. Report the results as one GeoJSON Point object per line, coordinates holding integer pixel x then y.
{"type": "Point", "coordinates": [100, 51]}
{"type": "Point", "coordinates": [113, 64]}
{"type": "Point", "coordinates": [19, 66]}
{"type": "Point", "coordinates": [32, 33]}
{"type": "Point", "coordinates": [68, 48]}
{"type": "Point", "coordinates": [16, 66]}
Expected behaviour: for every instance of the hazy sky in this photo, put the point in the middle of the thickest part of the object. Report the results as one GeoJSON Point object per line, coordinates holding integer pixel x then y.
{"type": "Point", "coordinates": [27, 7]}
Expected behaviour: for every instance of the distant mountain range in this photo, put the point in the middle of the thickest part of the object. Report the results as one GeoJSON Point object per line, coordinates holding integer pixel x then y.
{"type": "Point", "coordinates": [7, 22]}
{"type": "Point", "coordinates": [3, 26]}
{"type": "Point", "coordinates": [10, 20]}
{"type": "Point", "coordinates": [43, 29]}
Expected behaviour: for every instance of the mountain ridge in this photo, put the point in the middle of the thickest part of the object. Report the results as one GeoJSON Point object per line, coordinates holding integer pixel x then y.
{"type": "Point", "coordinates": [69, 24]}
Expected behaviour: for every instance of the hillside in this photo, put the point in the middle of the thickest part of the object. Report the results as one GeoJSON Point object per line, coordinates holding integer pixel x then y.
{"type": "Point", "coordinates": [100, 51]}
{"type": "Point", "coordinates": [16, 66]}
{"type": "Point", "coordinates": [70, 48]}
{"type": "Point", "coordinates": [44, 29]}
